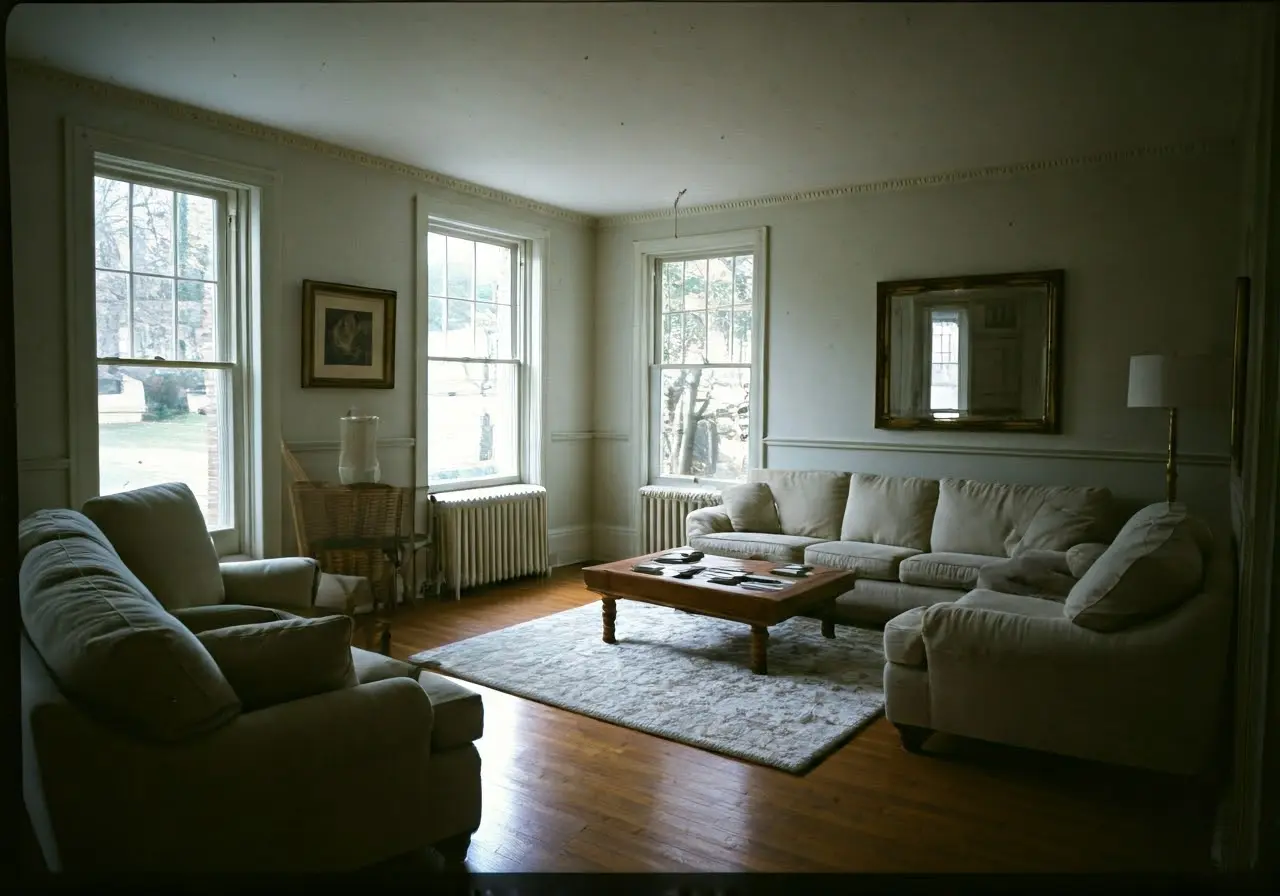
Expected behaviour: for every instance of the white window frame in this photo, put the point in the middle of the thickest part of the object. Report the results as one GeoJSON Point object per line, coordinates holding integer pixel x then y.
{"type": "Point", "coordinates": [647, 255]}
{"type": "Point", "coordinates": [531, 245]}
{"type": "Point", "coordinates": [250, 253]}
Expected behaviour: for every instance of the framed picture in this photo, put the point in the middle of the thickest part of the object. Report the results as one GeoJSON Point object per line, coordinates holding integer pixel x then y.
{"type": "Point", "coordinates": [1239, 372]}
{"type": "Point", "coordinates": [348, 336]}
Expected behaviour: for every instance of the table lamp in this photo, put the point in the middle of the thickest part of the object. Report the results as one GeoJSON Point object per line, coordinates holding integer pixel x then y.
{"type": "Point", "coordinates": [1171, 382]}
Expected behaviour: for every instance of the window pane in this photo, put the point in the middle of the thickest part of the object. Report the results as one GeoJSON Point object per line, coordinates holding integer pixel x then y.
{"type": "Point", "coordinates": [197, 243]}
{"type": "Point", "coordinates": [111, 223]}
{"type": "Point", "coordinates": [673, 286]}
{"type": "Point", "coordinates": [156, 426]}
{"type": "Point", "coordinates": [720, 345]}
{"type": "Point", "coordinates": [493, 273]}
{"type": "Point", "coordinates": [461, 260]}
{"type": "Point", "coordinates": [720, 283]}
{"type": "Point", "coordinates": [493, 330]}
{"type": "Point", "coordinates": [743, 279]}
{"type": "Point", "coordinates": [695, 284]}
{"type": "Point", "coordinates": [672, 339]}
{"type": "Point", "coordinates": [742, 335]}
{"type": "Point", "coordinates": [473, 425]}
{"type": "Point", "coordinates": [153, 318]}
{"type": "Point", "coordinates": [459, 339]}
{"type": "Point", "coordinates": [152, 230]}
{"type": "Point", "coordinates": [703, 426]}
{"type": "Point", "coordinates": [197, 307]}
{"type": "Point", "coordinates": [113, 315]}
{"type": "Point", "coordinates": [695, 337]}
{"type": "Point", "coordinates": [435, 264]}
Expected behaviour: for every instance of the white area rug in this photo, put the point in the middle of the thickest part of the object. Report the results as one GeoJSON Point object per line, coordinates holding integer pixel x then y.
{"type": "Point", "coordinates": [687, 678]}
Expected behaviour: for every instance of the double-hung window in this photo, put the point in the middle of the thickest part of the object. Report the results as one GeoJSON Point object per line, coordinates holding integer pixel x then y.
{"type": "Point", "coordinates": [705, 306]}
{"type": "Point", "coordinates": [948, 361]}
{"type": "Point", "coordinates": [169, 364]}
{"type": "Point", "coordinates": [476, 340]}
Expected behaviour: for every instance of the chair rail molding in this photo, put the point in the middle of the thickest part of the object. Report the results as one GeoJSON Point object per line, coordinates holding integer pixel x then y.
{"type": "Point", "coordinates": [1096, 454]}
{"type": "Point", "coordinates": [43, 464]}
{"type": "Point", "coordinates": [304, 447]}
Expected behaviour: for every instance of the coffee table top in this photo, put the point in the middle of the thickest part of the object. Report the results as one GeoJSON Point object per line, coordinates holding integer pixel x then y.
{"type": "Point", "coordinates": [618, 580]}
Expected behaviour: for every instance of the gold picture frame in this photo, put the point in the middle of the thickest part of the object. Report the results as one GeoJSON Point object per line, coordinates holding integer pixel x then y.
{"type": "Point", "coordinates": [348, 336]}
{"type": "Point", "coordinates": [1239, 372]}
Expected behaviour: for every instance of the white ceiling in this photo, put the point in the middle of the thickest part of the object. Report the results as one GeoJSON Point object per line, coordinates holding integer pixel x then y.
{"type": "Point", "coordinates": [608, 108]}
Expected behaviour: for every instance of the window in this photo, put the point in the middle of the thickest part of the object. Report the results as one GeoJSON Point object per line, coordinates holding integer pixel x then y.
{"type": "Point", "coordinates": [476, 303]}
{"type": "Point", "coordinates": [169, 376]}
{"type": "Point", "coordinates": [705, 311]}
{"type": "Point", "coordinates": [946, 363]}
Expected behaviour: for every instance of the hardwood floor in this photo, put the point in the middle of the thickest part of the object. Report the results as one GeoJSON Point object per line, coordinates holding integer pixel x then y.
{"type": "Point", "coordinates": [563, 792]}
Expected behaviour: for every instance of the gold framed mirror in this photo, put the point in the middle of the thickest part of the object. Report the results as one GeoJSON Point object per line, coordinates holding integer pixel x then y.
{"type": "Point", "coordinates": [975, 353]}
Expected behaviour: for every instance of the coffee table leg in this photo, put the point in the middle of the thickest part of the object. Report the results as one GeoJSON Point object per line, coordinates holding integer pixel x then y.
{"type": "Point", "coordinates": [609, 610]}
{"type": "Point", "coordinates": [828, 628]}
{"type": "Point", "coordinates": [759, 650]}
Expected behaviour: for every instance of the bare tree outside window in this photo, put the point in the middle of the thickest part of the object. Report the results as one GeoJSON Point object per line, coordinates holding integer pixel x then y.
{"type": "Point", "coordinates": [473, 368]}
{"type": "Point", "coordinates": [704, 332]}
{"type": "Point", "coordinates": [161, 381]}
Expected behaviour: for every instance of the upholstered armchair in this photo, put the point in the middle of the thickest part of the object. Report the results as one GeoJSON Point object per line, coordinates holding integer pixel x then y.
{"type": "Point", "coordinates": [160, 534]}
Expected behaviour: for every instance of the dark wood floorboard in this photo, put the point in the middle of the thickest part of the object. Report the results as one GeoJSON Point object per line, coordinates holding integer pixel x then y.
{"type": "Point", "coordinates": [563, 792]}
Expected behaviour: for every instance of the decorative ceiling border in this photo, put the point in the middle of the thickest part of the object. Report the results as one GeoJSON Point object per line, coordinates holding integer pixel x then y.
{"type": "Point", "coordinates": [232, 124]}
{"type": "Point", "coordinates": [1171, 150]}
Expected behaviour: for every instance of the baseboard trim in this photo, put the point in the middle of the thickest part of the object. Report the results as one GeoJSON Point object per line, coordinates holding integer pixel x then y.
{"type": "Point", "coordinates": [569, 545]}
{"type": "Point", "coordinates": [1094, 454]}
{"type": "Point", "coordinates": [610, 543]}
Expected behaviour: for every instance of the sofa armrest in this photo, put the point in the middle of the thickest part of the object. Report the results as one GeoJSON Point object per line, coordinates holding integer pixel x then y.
{"type": "Point", "coordinates": [706, 520]}
{"type": "Point", "coordinates": [285, 582]}
{"type": "Point", "coordinates": [280, 789]}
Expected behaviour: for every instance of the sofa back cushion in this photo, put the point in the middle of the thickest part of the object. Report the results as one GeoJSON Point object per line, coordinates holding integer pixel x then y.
{"type": "Point", "coordinates": [810, 502]}
{"type": "Point", "coordinates": [892, 510]}
{"type": "Point", "coordinates": [751, 509]}
{"type": "Point", "coordinates": [990, 518]}
{"type": "Point", "coordinates": [1156, 563]}
{"type": "Point", "coordinates": [107, 641]}
{"type": "Point", "coordinates": [160, 533]}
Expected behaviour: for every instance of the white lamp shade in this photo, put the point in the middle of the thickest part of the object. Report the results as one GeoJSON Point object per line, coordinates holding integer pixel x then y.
{"type": "Point", "coordinates": [1174, 381]}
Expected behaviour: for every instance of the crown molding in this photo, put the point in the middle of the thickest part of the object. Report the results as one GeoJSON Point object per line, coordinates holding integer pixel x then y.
{"type": "Point", "coordinates": [895, 185]}
{"type": "Point", "coordinates": [231, 124]}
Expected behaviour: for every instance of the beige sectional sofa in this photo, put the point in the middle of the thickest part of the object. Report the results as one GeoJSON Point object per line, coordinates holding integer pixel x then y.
{"type": "Point", "coordinates": [913, 541]}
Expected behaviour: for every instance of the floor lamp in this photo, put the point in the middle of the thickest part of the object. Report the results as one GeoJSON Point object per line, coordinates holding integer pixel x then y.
{"type": "Point", "coordinates": [1171, 382]}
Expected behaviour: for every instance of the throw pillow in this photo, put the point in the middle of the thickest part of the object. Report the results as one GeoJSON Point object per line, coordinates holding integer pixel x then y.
{"type": "Point", "coordinates": [1058, 525]}
{"type": "Point", "coordinates": [810, 503]}
{"type": "Point", "coordinates": [895, 510]}
{"type": "Point", "coordinates": [1155, 564]}
{"type": "Point", "coordinates": [275, 662]}
{"type": "Point", "coordinates": [160, 533]}
{"type": "Point", "coordinates": [751, 509]}
{"type": "Point", "coordinates": [1080, 559]}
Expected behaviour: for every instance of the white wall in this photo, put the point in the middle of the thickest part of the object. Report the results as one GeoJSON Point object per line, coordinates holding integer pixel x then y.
{"type": "Point", "coordinates": [1149, 249]}
{"type": "Point", "coordinates": [338, 220]}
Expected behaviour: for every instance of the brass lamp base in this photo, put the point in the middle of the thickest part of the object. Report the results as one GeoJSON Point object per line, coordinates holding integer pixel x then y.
{"type": "Point", "coordinates": [1171, 464]}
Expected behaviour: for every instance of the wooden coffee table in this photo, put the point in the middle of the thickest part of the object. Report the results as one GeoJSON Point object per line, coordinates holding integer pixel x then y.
{"type": "Point", "coordinates": [758, 609]}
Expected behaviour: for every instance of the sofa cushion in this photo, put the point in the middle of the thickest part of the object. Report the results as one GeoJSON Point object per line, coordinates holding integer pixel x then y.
{"type": "Point", "coordinates": [160, 533]}
{"type": "Point", "coordinates": [944, 569]}
{"type": "Point", "coordinates": [269, 663]}
{"type": "Point", "coordinates": [871, 603]}
{"type": "Point", "coordinates": [903, 640]}
{"type": "Point", "coordinates": [990, 517]}
{"type": "Point", "coordinates": [1155, 563]}
{"type": "Point", "coordinates": [1018, 604]}
{"type": "Point", "coordinates": [751, 509]}
{"type": "Point", "coordinates": [459, 713]}
{"type": "Point", "coordinates": [203, 619]}
{"type": "Point", "coordinates": [754, 546]}
{"type": "Point", "coordinates": [45, 526]}
{"type": "Point", "coordinates": [1082, 557]}
{"type": "Point", "coordinates": [1065, 520]}
{"type": "Point", "coordinates": [110, 645]}
{"type": "Point", "coordinates": [810, 502]}
{"type": "Point", "coordinates": [872, 561]}
{"type": "Point", "coordinates": [894, 510]}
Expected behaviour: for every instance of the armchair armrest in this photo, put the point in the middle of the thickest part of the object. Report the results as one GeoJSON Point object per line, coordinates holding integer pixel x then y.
{"type": "Point", "coordinates": [286, 582]}
{"type": "Point", "coordinates": [279, 789]}
{"type": "Point", "coordinates": [706, 520]}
